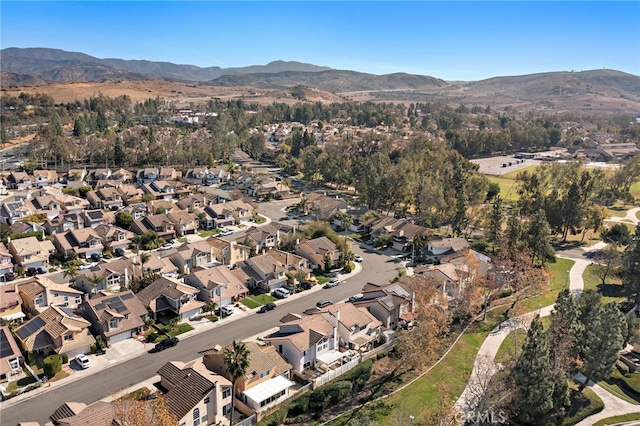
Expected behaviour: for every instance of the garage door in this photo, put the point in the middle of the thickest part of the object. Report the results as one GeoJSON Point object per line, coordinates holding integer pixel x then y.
{"type": "Point", "coordinates": [72, 353]}
{"type": "Point", "coordinates": [119, 337]}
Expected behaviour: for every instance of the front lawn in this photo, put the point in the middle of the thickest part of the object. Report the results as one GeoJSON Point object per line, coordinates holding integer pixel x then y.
{"type": "Point", "coordinates": [322, 279]}
{"type": "Point", "coordinates": [618, 419]}
{"type": "Point", "coordinates": [25, 381]}
{"type": "Point", "coordinates": [180, 328]}
{"type": "Point", "coordinates": [209, 232]}
{"type": "Point", "coordinates": [258, 219]}
{"type": "Point", "coordinates": [250, 303]}
{"type": "Point", "coordinates": [611, 291]}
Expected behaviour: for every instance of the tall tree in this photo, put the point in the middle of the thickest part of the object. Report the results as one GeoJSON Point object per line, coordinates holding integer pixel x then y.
{"type": "Point", "coordinates": [514, 230]}
{"type": "Point", "coordinates": [460, 219]}
{"type": "Point", "coordinates": [607, 262]}
{"type": "Point", "coordinates": [532, 377]}
{"type": "Point", "coordinates": [538, 238]}
{"type": "Point", "coordinates": [603, 339]}
{"type": "Point", "coordinates": [494, 228]}
{"type": "Point", "coordinates": [631, 268]}
{"type": "Point", "coordinates": [236, 360]}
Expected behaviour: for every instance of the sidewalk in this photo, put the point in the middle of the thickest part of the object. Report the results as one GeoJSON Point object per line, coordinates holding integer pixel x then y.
{"type": "Point", "coordinates": [132, 348]}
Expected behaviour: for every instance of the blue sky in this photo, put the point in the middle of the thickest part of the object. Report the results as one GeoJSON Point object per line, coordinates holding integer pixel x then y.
{"type": "Point", "coordinates": [449, 40]}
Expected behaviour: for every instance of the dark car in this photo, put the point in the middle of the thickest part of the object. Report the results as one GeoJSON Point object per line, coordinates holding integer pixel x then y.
{"type": "Point", "coordinates": [41, 270]}
{"type": "Point", "coordinates": [32, 272]}
{"type": "Point", "coordinates": [268, 307]}
{"type": "Point", "coordinates": [166, 343]}
{"type": "Point", "coordinates": [324, 303]}
{"type": "Point", "coordinates": [9, 276]}
{"type": "Point", "coordinates": [96, 257]}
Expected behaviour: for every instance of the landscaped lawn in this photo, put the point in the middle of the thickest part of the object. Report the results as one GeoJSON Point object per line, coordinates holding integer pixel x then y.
{"type": "Point", "coordinates": [322, 279]}
{"type": "Point", "coordinates": [209, 232]}
{"type": "Point", "coordinates": [254, 300]}
{"type": "Point", "coordinates": [250, 302]}
{"type": "Point", "coordinates": [505, 352]}
{"type": "Point", "coordinates": [559, 281]}
{"type": "Point", "coordinates": [618, 419]}
{"type": "Point", "coordinates": [180, 328]}
{"type": "Point", "coordinates": [615, 390]}
{"type": "Point", "coordinates": [25, 381]}
{"type": "Point", "coordinates": [258, 219]}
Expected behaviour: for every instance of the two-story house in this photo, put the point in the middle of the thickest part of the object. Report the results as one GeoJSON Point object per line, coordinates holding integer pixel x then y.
{"type": "Point", "coordinates": [31, 253]}
{"type": "Point", "coordinates": [10, 357]}
{"type": "Point", "coordinates": [266, 382]}
{"type": "Point", "coordinates": [217, 284]}
{"type": "Point", "coordinates": [195, 395]}
{"type": "Point", "coordinates": [46, 205]}
{"type": "Point", "coordinates": [6, 262]}
{"type": "Point", "coordinates": [216, 216]}
{"type": "Point", "coordinates": [306, 342]}
{"type": "Point", "coordinates": [110, 276]}
{"type": "Point", "coordinates": [114, 238]}
{"type": "Point", "coordinates": [42, 178]}
{"type": "Point", "coordinates": [14, 209]}
{"type": "Point", "coordinates": [317, 250]}
{"type": "Point", "coordinates": [391, 303]}
{"type": "Point", "coordinates": [147, 175]}
{"type": "Point", "coordinates": [105, 198]}
{"type": "Point", "coordinates": [39, 292]}
{"type": "Point", "coordinates": [130, 193]}
{"type": "Point", "coordinates": [56, 330]}
{"type": "Point", "coordinates": [358, 329]}
{"type": "Point", "coordinates": [19, 181]}
{"type": "Point", "coordinates": [10, 304]}
{"type": "Point", "coordinates": [171, 295]}
{"type": "Point", "coordinates": [84, 242]}
{"type": "Point", "coordinates": [93, 218]}
{"type": "Point", "coordinates": [158, 223]}
{"type": "Point", "coordinates": [64, 222]}
{"type": "Point", "coordinates": [264, 272]}
{"type": "Point", "coordinates": [123, 175]}
{"type": "Point", "coordinates": [189, 256]}
{"type": "Point", "coordinates": [115, 317]}
{"type": "Point", "coordinates": [263, 238]}
{"type": "Point", "coordinates": [438, 248]}
{"type": "Point", "coordinates": [228, 253]}
{"type": "Point", "coordinates": [185, 223]}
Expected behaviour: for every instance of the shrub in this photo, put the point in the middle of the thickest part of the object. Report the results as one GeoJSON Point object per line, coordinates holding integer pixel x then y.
{"type": "Point", "coordinates": [338, 390]}
{"type": "Point", "coordinates": [622, 367]}
{"type": "Point", "coordinates": [359, 375]}
{"type": "Point", "coordinates": [94, 348]}
{"type": "Point", "coordinates": [348, 267]}
{"type": "Point", "coordinates": [632, 380]}
{"type": "Point", "coordinates": [32, 356]}
{"type": "Point", "coordinates": [65, 358]}
{"type": "Point", "coordinates": [300, 405]}
{"type": "Point", "coordinates": [381, 355]}
{"type": "Point", "coordinates": [52, 365]}
{"type": "Point", "coordinates": [318, 400]}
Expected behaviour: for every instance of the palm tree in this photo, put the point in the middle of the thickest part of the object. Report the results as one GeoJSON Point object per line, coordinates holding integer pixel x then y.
{"type": "Point", "coordinates": [144, 258]}
{"type": "Point", "coordinates": [71, 272]}
{"type": "Point", "coordinates": [95, 281]}
{"type": "Point", "coordinates": [236, 360]}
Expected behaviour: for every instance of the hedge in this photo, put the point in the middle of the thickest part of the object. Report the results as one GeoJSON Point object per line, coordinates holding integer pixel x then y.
{"type": "Point", "coordinates": [52, 365]}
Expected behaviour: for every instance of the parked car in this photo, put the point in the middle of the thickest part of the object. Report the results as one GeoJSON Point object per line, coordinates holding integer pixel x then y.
{"type": "Point", "coordinates": [166, 343]}
{"type": "Point", "coordinates": [96, 257]}
{"type": "Point", "coordinates": [268, 307]}
{"type": "Point", "coordinates": [167, 246]}
{"type": "Point", "coordinates": [281, 293]}
{"type": "Point", "coordinates": [87, 265]}
{"type": "Point", "coordinates": [41, 270]}
{"type": "Point", "coordinates": [334, 282]}
{"type": "Point", "coordinates": [225, 311]}
{"type": "Point", "coordinates": [83, 361]}
{"type": "Point", "coordinates": [358, 258]}
{"type": "Point", "coordinates": [9, 276]}
{"type": "Point", "coordinates": [32, 272]}
{"type": "Point", "coordinates": [355, 298]}
{"type": "Point", "coordinates": [324, 303]}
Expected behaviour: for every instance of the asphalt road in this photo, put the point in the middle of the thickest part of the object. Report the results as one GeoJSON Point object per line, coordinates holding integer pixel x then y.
{"type": "Point", "coordinates": [376, 268]}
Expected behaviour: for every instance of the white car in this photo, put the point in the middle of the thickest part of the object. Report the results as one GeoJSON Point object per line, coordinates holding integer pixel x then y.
{"type": "Point", "coordinates": [83, 361]}
{"type": "Point", "coordinates": [226, 311]}
{"type": "Point", "coordinates": [166, 247]}
{"type": "Point", "coordinates": [357, 258]}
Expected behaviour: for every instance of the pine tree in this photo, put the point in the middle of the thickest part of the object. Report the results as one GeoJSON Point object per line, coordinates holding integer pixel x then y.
{"type": "Point", "coordinates": [533, 377]}
{"type": "Point", "coordinates": [538, 236]}
{"type": "Point", "coordinates": [514, 230]}
{"type": "Point", "coordinates": [631, 268]}
{"type": "Point", "coordinates": [495, 222]}
{"type": "Point", "coordinates": [603, 339]}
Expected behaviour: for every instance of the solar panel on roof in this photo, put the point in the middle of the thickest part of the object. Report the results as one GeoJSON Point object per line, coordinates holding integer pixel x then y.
{"type": "Point", "coordinates": [127, 296]}
{"type": "Point", "coordinates": [23, 332]}
{"type": "Point", "coordinates": [5, 348]}
{"type": "Point", "coordinates": [38, 322]}
{"type": "Point", "coordinates": [121, 309]}
{"type": "Point", "coordinates": [100, 306]}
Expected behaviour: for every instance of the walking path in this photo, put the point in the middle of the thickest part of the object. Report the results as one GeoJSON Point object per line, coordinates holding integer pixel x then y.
{"type": "Point", "coordinates": [631, 216]}
{"type": "Point", "coordinates": [484, 366]}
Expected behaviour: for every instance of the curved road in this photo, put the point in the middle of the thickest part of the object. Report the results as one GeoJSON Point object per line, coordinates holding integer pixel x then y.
{"type": "Point", "coordinates": [376, 268]}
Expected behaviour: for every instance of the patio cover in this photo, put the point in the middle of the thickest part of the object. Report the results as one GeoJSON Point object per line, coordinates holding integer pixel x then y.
{"type": "Point", "coordinates": [269, 388]}
{"type": "Point", "coordinates": [330, 357]}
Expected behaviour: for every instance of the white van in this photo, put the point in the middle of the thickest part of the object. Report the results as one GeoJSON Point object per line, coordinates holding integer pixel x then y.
{"type": "Point", "coordinates": [281, 293]}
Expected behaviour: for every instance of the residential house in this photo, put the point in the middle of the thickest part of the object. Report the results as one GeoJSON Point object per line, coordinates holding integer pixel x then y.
{"type": "Point", "coordinates": [438, 248]}
{"type": "Point", "coordinates": [31, 253]}
{"type": "Point", "coordinates": [325, 207]}
{"type": "Point", "coordinates": [147, 175]}
{"type": "Point", "coordinates": [115, 317]}
{"type": "Point", "coordinates": [136, 210]}
{"type": "Point", "coordinates": [195, 395]}
{"type": "Point", "coordinates": [100, 174]}
{"type": "Point", "coordinates": [169, 173]}
{"type": "Point", "coordinates": [401, 231]}
{"type": "Point", "coordinates": [228, 253]}
{"type": "Point", "coordinates": [76, 175]}
{"type": "Point", "coordinates": [165, 190]}
{"type": "Point", "coordinates": [56, 330]}
{"type": "Point", "coordinates": [72, 204]}
{"type": "Point", "coordinates": [217, 195]}
{"type": "Point", "coordinates": [193, 202]}
{"type": "Point", "coordinates": [78, 414]}
{"type": "Point", "coordinates": [159, 223]}
{"type": "Point", "coordinates": [266, 382]}
{"type": "Point", "coordinates": [162, 266]}
{"type": "Point", "coordinates": [358, 329]}
{"type": "Point", "coordinates": [217, 284]}
{"type": "Point", "coordinates": [19, 181]}
{"type": "Point", "coordinates": [64, 222]}
{"type": "Point", "coordinates": [292, 262]}
{"type": "Point", "coordinates": [317, 250]}
{"type": "Point", "coordinates": [272, 189]}
{"type": "Point", "coordinates": [14, 209]}
{"type": "Point", "coordinates": [10, 304]}
{"type": "Point", "coordinates": [42, 178]}
{"type": "Point", "coordinates": [391, 304]}
{"type": "Point", "coordinates": [308, 342]}
{"type": "Point", "coordinates": [456, 270]}
{"type": "Point", "coordinates": [10, 357]}
{"type": "Point", "coordinates": [39, 292]}
{"type": "Point", "coordinates": [109, 275]}
{"type": "Point", "coordinates": [171, 295]}
{"type": "Point", "coordinates": [6, 262]}
{"type": "Point", "coordinates": [114, 238]}
{"type": "Point", "coordinates": [105, 198]}
{"type": "Point", "coordinates": [216, 216]}
{"type": "Point", "coordinates": [263, 238]}
{"type": "Point", "coordinates": [130, 194]}
{"type": "Point", "coordinates": [93, 218]}
{"type": "Point", "coordinates": [123, 175]}
{"type": "Point", "coordinates": [192, 255]}
{"type": "Point", "coordinates": [264, 272]}
{"type": "Point", "coordinates": [84, 242]}
{"type": "Point", "coordinates": [243, 212]}
{"type": "Point", "coordinates": [46, 205]}
{"type": "Point", "coordinates": [185, 223]}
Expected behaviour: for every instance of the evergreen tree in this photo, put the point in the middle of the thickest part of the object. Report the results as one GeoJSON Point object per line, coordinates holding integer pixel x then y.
{"type": "Point", "coordinates": [460, 219]}
{"type": "Point", "coordinates": [514, 230]}
{"type": "Point", "coordinates": [538, 237]}
{"type": "Point", "coordinates": [603, 339]}
{"type": "Point", "coordinates": [533, 377]}
{"type": "Point", "coordinates": [631, 268]}
{"type": "Point", "coordinates": [495, 222]}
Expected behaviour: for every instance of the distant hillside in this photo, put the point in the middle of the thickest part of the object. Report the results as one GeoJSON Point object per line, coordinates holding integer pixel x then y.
{"type": "Point", "coordinates": [41, 61]}
{"type": "Point", "coordinates": [335, 81]}
{"type": "Point", "coordinates": [8, 79]}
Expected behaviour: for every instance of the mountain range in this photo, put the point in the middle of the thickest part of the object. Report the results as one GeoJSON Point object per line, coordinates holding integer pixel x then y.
{"type": "Point", "coordinates": [596, 91]}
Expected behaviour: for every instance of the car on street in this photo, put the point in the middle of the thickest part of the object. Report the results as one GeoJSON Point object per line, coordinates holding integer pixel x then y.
{"type": "Point", "coordinates": [355, 298]}
{"type": "Point", "coordinates": [83, 361]}
{"type": "Point", "coordinates": [334, 282]}
{"type": "Point", "coordinates": [281, 293]}
{"type": "Point", "coordinates": [266, 308]}
{"type": "Point", "coordinates": [358, 258]}
{"type": "Point", "coordinates": [166, 343]}
{"type": "Point", "coordinates": [324, 303]}
{"type": "Point", "coordinates": [31, 272]}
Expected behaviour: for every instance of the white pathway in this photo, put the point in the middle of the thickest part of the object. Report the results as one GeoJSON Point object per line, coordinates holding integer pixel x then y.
{"type": "Point", "coordinates": [629, 217]}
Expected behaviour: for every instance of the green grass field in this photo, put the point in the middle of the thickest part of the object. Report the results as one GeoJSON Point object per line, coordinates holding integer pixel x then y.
{"type": "Point", "coordinates": [611, 291]}
{"type": "Point", "coordinates": [255, 300]}
{"type": "Point", "coordinates": [559, 281]}
{"type": "Point", "coordinates": [618, 419]}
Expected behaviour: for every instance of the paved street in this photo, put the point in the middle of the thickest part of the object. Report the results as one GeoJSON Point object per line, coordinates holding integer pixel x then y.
{"type": "Point", "coordinates": [376, 268]}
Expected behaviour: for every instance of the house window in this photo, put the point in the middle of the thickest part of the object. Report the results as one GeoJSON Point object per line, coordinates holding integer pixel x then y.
{"type": "Point", "coordinates": [272, 398]}
{"type": "Point", "coordinates": [264, 374]}
{"type": "Point", "coordinates": [206, 400]}
{"type": "Point", "coordinates": [322, 344]}
{"type": "Point", "coordinates": [280, 348]}
{"type": "Point", "coordinates": [226, 393]}
{"type": "Point", "coordinates": [113, 280]}
{"type": "Point", "coordinates": [226, 409]}
{"type": "Point", "coordinates": [306, 365]}
{"type": "Point", "coordinates": [68, 337]}
{"type": "Point", "coordinates": [65, 299]}
{"type": "Point", "coordinates": [113, 323]}
{"type": "Point", "coordinates": [204, 419]}
{"type": "Point", "coordinates": [55, 294]}
{"type": "Point", "coordinates": [78, 300]}
{"type": "Point", "coordinates": [39, 300]}
{"type": "Point", "coordinates": [196, 417]}
{"type": "Point", "coordinates": [14, 364]}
